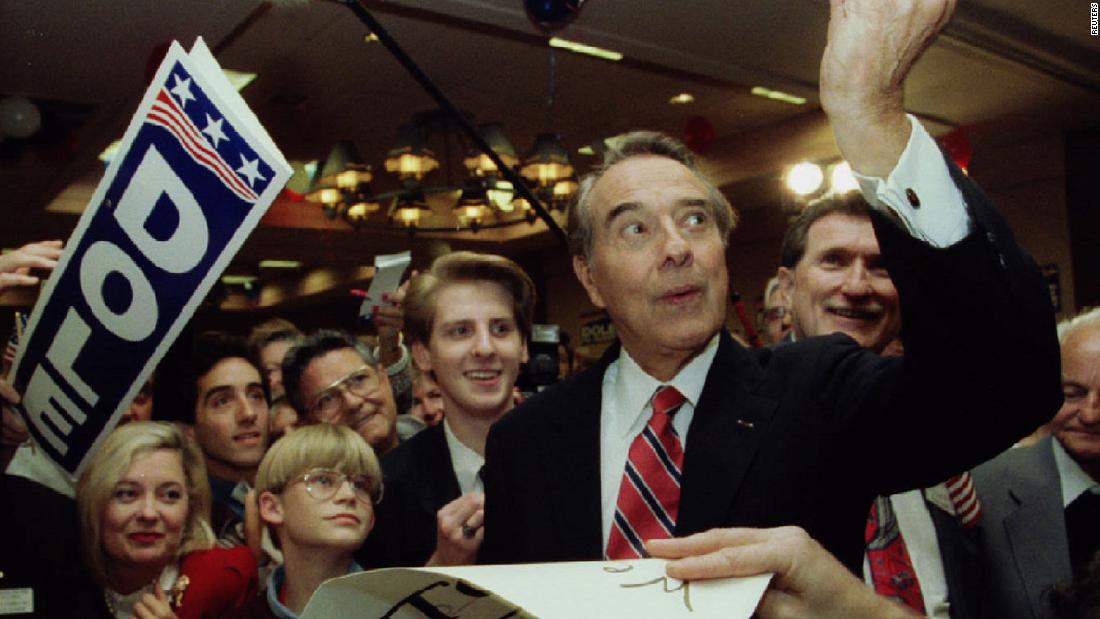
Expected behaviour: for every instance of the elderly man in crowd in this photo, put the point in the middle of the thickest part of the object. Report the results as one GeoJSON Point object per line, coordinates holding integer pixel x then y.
{"type": "Point", "coordinates": [1041, 521]}
{"type": "Point", "coordinates": [679, 429]}
{"type": "Point", "coordinates": [332, 377]}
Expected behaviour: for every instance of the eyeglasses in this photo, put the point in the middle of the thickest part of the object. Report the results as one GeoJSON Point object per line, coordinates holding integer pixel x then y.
{"type": "Point", "coordinates": [362, 382]}
{"type": "Point", "coordinates": [322, 484]}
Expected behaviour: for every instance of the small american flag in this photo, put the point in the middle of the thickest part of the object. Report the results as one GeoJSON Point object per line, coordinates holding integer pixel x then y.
{"type": "Point", "coordinates": [169, 114]}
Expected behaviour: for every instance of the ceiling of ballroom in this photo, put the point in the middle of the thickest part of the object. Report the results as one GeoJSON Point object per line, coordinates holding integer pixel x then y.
{"type": "Point", "coordinates": [1003, 67]}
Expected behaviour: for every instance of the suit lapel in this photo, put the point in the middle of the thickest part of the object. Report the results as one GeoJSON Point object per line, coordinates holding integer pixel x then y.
{"type": "Point", "coordinates": [572, 464]}
{"type": "Point", "coordinates": [1036, 528]}
{"type": "Point", "coordinates": [437, 471]}
{"type": "Point", "coordinates": [723, 438]}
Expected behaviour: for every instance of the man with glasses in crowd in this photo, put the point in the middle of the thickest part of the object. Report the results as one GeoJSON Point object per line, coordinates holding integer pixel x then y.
{"type": "Point", "coordinates": [332, 377]}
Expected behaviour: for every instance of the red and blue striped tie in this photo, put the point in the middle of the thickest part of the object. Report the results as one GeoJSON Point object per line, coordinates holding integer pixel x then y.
{"type": "Point", "coordinates": [649, 495]}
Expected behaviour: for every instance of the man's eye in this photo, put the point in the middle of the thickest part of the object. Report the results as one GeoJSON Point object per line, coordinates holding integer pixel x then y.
{"type": "Point", "coordinates": [1072, 393]}
{"type": "Point", "coordinates": [460, 330]}
{"type": "Point", "coordinates": [325, 399]}
{"type": "Point", "coordinates": [502, 328]}
{"type": "Point", "coordinates": [696, 219]}
{"type": "Point", "coordinates": [634, 229]}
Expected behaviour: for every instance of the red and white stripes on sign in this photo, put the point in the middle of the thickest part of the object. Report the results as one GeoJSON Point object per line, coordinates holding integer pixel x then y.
{"type": "Point", "coordinates": [165, 113]}
{"type": "Point", "coordinates": [964, 497]}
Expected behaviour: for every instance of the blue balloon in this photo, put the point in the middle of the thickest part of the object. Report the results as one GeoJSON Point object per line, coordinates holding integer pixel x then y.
{"type": "Point", "coordinates": [552, 14]}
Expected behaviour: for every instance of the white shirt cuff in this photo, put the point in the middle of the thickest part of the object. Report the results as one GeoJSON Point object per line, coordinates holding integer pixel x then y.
{"type": "Point", "coordinates": [921, 192]}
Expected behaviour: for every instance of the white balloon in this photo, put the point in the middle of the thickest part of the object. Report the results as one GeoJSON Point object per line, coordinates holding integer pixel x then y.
{"type": "Point", "coordinates": [19, 117]}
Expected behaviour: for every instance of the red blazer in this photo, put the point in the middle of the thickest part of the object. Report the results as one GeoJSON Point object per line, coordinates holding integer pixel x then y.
{"type": "Point", "coordinates": [219, 581]}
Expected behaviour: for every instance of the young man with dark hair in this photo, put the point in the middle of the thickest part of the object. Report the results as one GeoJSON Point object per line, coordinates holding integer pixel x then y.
{"type": "Point", "coordinates": [218, 393]}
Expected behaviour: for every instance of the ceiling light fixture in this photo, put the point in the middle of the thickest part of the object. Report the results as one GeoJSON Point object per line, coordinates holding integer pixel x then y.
{"type": "Point", "coordinates": [586, 50]}
{"type": "Point", "coordinates": [778, 95]}
{"type": "Point", "coordinates": [682, 99]}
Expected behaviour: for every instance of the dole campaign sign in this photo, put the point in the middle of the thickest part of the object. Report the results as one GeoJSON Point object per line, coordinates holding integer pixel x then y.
{"type": "Point", "coordinates": [193, 176]}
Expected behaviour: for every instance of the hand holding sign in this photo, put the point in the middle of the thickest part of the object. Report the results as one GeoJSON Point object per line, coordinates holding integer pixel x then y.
{"type": "Point", "coordinates": [15, 266]}
{"type": "Point", "coordinates": [193, 175]}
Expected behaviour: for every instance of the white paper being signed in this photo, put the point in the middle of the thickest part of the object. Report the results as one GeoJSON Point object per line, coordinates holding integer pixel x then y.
{"type": "Point", "coordinates": [631, 589]}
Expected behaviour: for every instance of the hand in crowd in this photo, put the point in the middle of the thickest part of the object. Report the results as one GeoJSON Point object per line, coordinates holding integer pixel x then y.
{"type": "Point", "coordinates": [389, 319]}
{"type": "Point", "coordinates": [871, 47]}
{"type": "Point", "coordinates": [809, 582]}
{"type": "Point", "coordinates": [15, 266]}
{"type": "Point", "coordinates": [13, 431]}
{"type": "Point", "coordinates": [460, 530]}
{"type": "Point", "coordinates": [153, 606]}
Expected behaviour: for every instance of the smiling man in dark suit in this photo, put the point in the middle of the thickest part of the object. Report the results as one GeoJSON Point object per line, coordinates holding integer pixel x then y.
{"type": "Point", "coordinates": [766, 438]}
{"type": "Point", "coordinates": [468, 318]}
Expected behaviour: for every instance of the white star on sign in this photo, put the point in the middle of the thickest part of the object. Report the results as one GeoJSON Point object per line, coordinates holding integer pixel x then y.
{"type": "Point", "coordinates": [182, 89]}
{"type": "Point", "coordinates": [251, 170]}
{"type": "Point", "coordinates": [214, 130]}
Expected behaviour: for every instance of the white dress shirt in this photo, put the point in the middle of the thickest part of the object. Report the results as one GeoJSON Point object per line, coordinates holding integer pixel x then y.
{"type": "Point", "coordinates": [627, 398]}
{"type": "Point", "coordinates": [466, 462]}
{"type": "Point", "coordinates": [1075, 481]}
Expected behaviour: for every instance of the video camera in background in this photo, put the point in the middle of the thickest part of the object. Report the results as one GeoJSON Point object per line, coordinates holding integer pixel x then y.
{"type": "Point", "coordinates": [541, 369]}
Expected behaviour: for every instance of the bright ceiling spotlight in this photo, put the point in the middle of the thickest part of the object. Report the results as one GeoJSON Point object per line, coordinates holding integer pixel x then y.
{"type": "Point", "coordinates": [841, 180]}
{"type": "Point", "coordinates": [805, 178]}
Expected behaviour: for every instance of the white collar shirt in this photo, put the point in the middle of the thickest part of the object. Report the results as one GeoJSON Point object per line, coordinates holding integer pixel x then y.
{"type": "Point", "coordinates": [466, 462]}
{"type": "Point", "coordinates": [1075, 481]}
{"type": "Point", "coordinates": [625, 405]}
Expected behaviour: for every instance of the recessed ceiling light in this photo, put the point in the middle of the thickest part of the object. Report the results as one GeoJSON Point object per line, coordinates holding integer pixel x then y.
{"type": "Point", "coordinates": [778, 95]}
{"type": "Point", "coordinates": [238, 280]}
{"type": "Point", "coordinates": [682, 99]}
{"type": "Point", "coordinates": [371, 38]}
{"type": "Point", "coordinates": [239, 79]}
{"type": "Point", "coordinates": [109, 153]}
{"type": "Point", "coordinates": [588, 50]}
{"type": "Point", "coordinates": [280, 264]}
{"type": "Point", "coordinates": [586, 150]}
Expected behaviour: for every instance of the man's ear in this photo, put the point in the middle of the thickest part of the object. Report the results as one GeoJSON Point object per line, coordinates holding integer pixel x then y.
{"type": "Point", "coordinates": [523, 356]}
{"type": "Point", "coordinates": [421, 357]}
{"type": "Point", "coordinates": [188, 430]}
{"type": "Point", "coordinates": [271, 508]}
{"type": "Point", "coordinates": [584, 275]}
{"type": "Point", "coordinates": [786, 286]}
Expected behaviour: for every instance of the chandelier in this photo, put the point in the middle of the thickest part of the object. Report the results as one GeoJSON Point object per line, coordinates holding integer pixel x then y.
{"type": "Point", "coordinates": [483, 198]}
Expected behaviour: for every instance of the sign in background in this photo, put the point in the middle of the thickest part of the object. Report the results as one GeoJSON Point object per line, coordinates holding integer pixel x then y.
{"type": "Point", "coordinates": [194, 174]}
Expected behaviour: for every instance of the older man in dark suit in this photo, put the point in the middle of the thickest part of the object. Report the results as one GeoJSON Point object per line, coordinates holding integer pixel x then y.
{"type": "Point", "coordinates": [766, 438]}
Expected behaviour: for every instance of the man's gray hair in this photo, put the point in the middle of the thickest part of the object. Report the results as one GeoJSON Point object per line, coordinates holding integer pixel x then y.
{"type": "Point", "coordinates": [771, 287]}
{"type": "Point", "coordinates": [638, 144]}
{"type": "Point", "coordinates": [1088, 317]}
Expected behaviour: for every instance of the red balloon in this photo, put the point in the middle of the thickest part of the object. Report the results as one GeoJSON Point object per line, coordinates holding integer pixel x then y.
{"type": "Point", "coordinates": [958, 147]}
{"type": "Point", "coordinates": [698, 134]}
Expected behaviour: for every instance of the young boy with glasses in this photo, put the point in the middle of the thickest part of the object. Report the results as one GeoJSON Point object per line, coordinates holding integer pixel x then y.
{"type": "Point", "coordinates": [316, 488]}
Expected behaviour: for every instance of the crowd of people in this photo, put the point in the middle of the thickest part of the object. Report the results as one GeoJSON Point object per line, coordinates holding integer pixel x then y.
{"type": "Point", "coordinates": [865, 457]}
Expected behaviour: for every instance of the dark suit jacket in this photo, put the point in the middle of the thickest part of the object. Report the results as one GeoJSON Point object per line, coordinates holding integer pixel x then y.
{"type": "Point", "coordinates": [419, 479]}
{"type": "Point", "coordinates": [788, 435]}
{"type": "Point", "coordinates": [1022, 537]}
